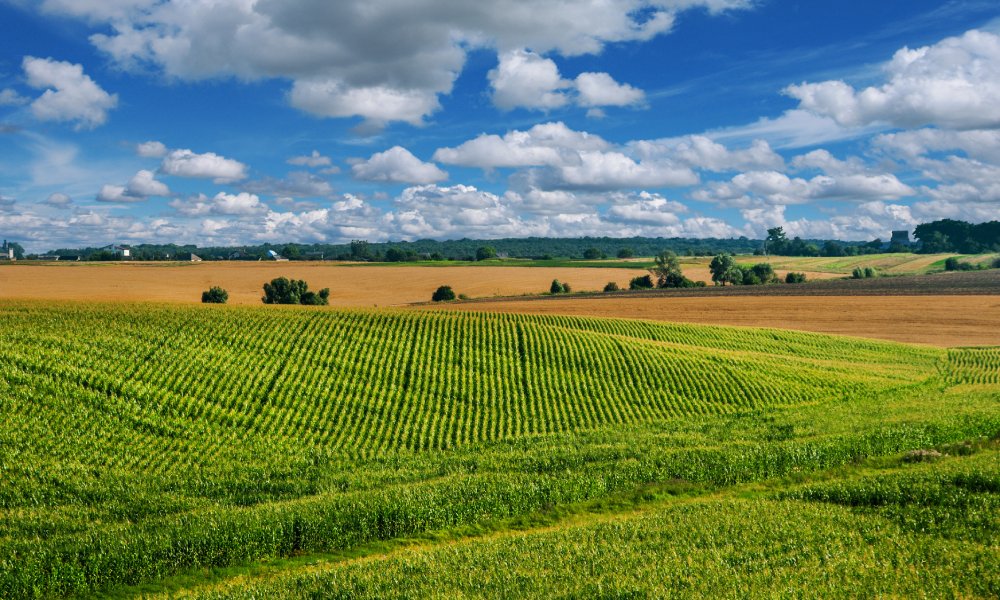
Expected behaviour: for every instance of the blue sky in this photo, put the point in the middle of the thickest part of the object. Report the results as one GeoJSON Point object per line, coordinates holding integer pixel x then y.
{"type": "Point", "coordinates": [240, 121]}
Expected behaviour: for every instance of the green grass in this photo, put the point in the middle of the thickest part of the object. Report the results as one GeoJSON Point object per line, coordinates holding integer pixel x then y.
{"type": "Point", "coordinates": [887, 263]}
{"type": "Point", "coordinates": [146, 444]}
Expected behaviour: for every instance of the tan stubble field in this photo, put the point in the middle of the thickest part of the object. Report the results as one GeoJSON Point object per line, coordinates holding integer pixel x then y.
{"type": "Point", "coordinates": [939, 320]}
{"type": "Point", "coordinates": [354, 285]}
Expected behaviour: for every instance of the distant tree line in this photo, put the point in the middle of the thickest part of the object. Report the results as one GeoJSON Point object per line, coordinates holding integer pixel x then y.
{"type": "Point", "coordinates": [424, 250]}
{"type": "Point", "coordinates": [777, 244]}
{"type": "Point", "coordinates": [945, 235]}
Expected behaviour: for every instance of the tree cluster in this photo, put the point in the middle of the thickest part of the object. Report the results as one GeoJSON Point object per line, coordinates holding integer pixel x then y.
{"type": "Point", "coordinates": [725, 271]}
{"type": "Point", "coordinates": [778, 244]}
{"type": "Point", "coordinates": [948, 235]}
{"type": "Point", "coordinates": [668, 272]}
{"type": "Point", "coordinates": [294, 291]}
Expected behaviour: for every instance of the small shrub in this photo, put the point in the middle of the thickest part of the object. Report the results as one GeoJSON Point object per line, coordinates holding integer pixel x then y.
{"type": "Point", "coordinates": [864, 273]}
{"type": "Point", "coordinates": [795, 278]}
{"type": "Point", "coordinates": [996, 263]}
{"type": "Point", "coordinates": [611, 287]}
{"type": "Point", "coordinates": [644, 282]}
{"type": "Point", "coordinates": [953, 264]}
{"type": "Point", "coordinates": [443, 294]}
{"type": "Point", "coordinates": [463, 297]}
{"type": "Point", "coordinates": [559, 288]}
{"type": "Point", "coordinates": [215, 295]}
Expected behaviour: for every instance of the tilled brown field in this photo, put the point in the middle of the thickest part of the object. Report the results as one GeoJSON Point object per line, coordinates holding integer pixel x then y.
{"type": "Point", "coordinates": [969, 320]}
{"type": "Point", "coordinates": [358, 285]}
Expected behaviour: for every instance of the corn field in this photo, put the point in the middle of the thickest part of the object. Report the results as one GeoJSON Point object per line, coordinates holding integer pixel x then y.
{"type": "Point", "coordinates": [143, 441]}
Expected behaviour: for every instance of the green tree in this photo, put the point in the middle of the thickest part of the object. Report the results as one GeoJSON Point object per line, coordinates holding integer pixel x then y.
{"type": "Point", "coordinates": [398, 255]}
{"type": "Point", "coordinates": [720, 266]}
{"type": "Point", "coordinates": [764, 272]}
{"type": "Point", "coordinates": [215, 295]}
{"type": "Point", "coordinates": [293, 291]}
{"type": "Point", "coordinates": [291, 252]}
{"type": "Point", "coordinates": [556, 287]}
{"type": "Point", "coordinates": [936, 242]}
{"type": "Point", "coordinates": [668, 271]}
{"type": "Point", "coordinates": [795, 278]}
{"type": "Point", "coordinates": [626, 253]}
{"type": "Point", "coordinates": [776, 241]}
{"type": "Point", "coordinates": [443, 294]}
{"type": "Point", "coordinates": [666, 263]}
{"type": "Point", "coordinates": [593, 254]}
{"type": "Point", "coordinates": [486, 253]}
{"type": "Point", "coordinates": [831, 248]}
{"type": "Point", "coordinates": [944, 235]}
{"type": "Point", "coordinates": [360, 250]}
{"type": "Point", "coordinates": [611, 287]}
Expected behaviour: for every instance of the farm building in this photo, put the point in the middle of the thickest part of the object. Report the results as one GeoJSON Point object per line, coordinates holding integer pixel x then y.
{"type": "Point", "coordinates": [120, 251]}
{"type": "Point", "coordinates": [7, 251]}
{"type": "Point", "coordinates": [272, 255]}
{"type": "Point", "coordinates": [189, 257]}
{"type": "Point", "coordinates": [901, 237]}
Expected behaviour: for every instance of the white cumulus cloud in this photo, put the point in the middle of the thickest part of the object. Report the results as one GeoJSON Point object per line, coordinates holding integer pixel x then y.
{"type": "Point", "coordinates": [310, 160]}
{"type": "Point", "coordinates": [525, 79]}
{"type": "Point", "coordinates": [58, 200]}
{"type": "Point", "coordinates": [9, 97]}
{"type": "Point", "coordinates": [397, 165]}
{"type": "Point", "coordinates": [241, 204]}
{"type": "Point", "coordinates": [185, 163]}
{"type": "Point", "coordinates": [703, 153]}
{"type": "Point", "coordinates": [151, 149]}
{"type": "Point", "coordinates": [600, 89]}
{"type": "Point", "coordinates": [381, 60]}
{"type": "Point", "coordinates": [547, 144]}
{"type": "Point", "coordinates": [142, 185]}
{"type": "Point", "coordinates": [953, 84]}
{"type": "Point", "coordinates": [70, 95]}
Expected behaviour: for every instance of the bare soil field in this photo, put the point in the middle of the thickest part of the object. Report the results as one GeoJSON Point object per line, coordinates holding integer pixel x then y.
{"type": "Point", "coordinates": [357, 285]}
{"type": "Point", "coordinates": [946, 321]}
